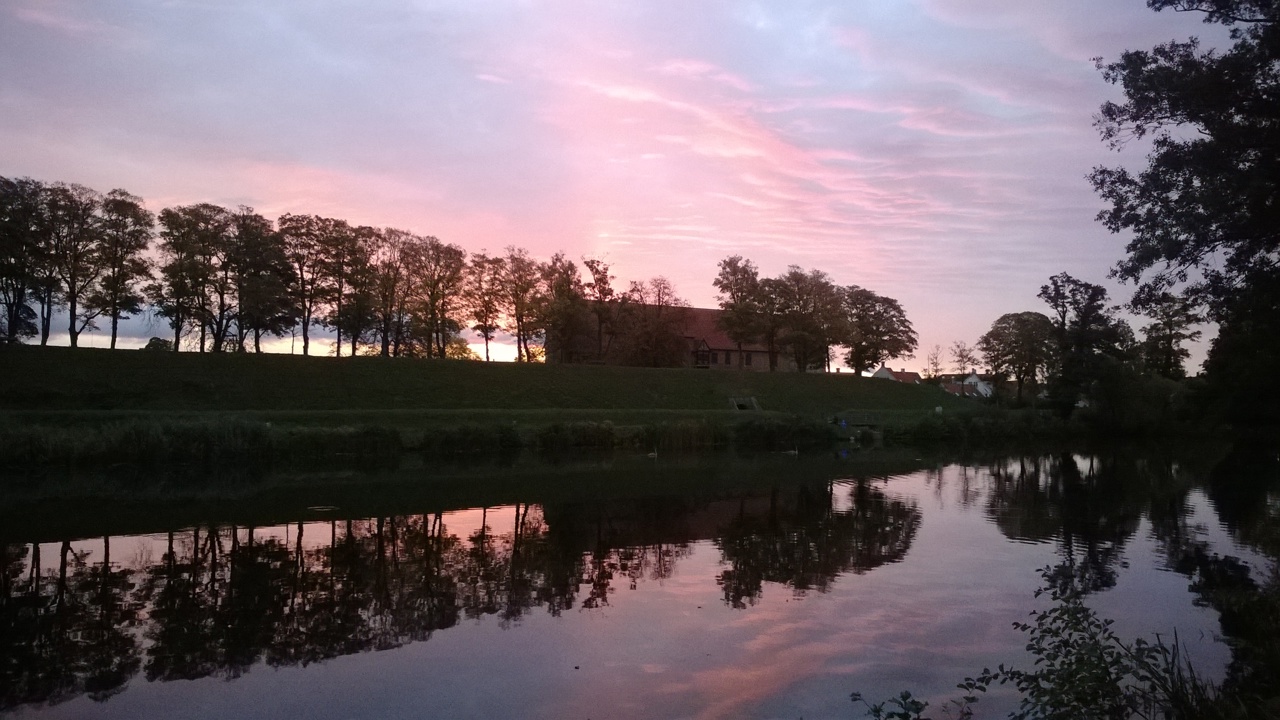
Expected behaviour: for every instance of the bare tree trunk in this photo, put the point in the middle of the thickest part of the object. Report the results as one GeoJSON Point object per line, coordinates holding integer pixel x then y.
{"type": "Point", "coordinates": [46, 315]}
{"type": "Point", "coordinates": [72, 334]}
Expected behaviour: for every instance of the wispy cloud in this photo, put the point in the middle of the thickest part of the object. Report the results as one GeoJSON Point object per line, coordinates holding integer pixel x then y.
{"type": "Point", "coordinates": [932, 149]}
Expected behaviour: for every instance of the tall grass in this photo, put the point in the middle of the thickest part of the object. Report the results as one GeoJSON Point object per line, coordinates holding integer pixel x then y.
{"type": "Point", "coordinates": [191, 443]}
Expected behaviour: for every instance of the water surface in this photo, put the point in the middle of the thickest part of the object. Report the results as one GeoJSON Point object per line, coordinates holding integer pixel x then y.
{"type": "Point", "coordinates": [615, 588]}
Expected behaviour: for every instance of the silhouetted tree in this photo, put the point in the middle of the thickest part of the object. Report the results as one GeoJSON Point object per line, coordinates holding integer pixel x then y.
{"type": "Point", "coordinates": [562, 308]}
{"type": "Point", "coordinates": [21, 249]}
{"type": "Point", "coordinates": [603, 301]}
{"type": "Point", "coordinates": [126, 231]}
{"type": "Point", "coordinates": [263, 280]}
{"type": "Point", "coordinates": [304, 239]}
{"type": "Point", "coordinates": [394, 258]}
{"type": "Point", "coordinates": [878, 328]}
{"type": "Point", "coordinates": [1087, 336]}
{"type": "Point", "coordinates": [1202, 213]}
{"type": "Point", "coordinates": [933, 363]}
{"type": "Point", "coordinates": [1020, 345]}
{"type": "Point", "coordinates": [1173, 318]}
{"type": "Point", "coordinates": [75, 241]}
{"type": "Point", "coordinates": [341, 258]}
{"type": "Point", "coordinates": [738, 292]}
{"type": "Point", "coordinates": [520, 283]}
{"type": "Point", "coordinates": [963, 358]}
{"type": "Point", "coordinates": [813, 316]}
{"type": "Point", "coordinates": [437, 288]}
{"type": "Point", "coordinates": [482, 296]}
{"type": "Point", "coordinates": [189, 237]}
{"type": "Point", "coordinates": [651, 325]}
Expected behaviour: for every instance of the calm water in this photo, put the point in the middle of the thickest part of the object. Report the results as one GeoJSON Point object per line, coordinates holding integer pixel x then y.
{"type": "Point", "coordinates": [607, 589]}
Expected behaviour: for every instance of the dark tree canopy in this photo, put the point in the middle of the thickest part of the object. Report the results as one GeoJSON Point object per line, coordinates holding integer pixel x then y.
{"type": "Point", "coordinates": [20, 254]}
{"type": "Point", "coordinates": [1019, 345]}
{"type": "Point", "coordinates": [1164, 339]}
{"type": "Point", "coordinates": [126, 235]}
{"type": "Point", "coordinates": [1205, 212]}
{"type": "Point", "coordinates": [878, 330]}
{"type": "Point", "coordinates": [1087, 337]}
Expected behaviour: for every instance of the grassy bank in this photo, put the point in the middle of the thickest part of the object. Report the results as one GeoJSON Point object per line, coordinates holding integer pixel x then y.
{"type": "Point", "coordinates": [85, 406]}
{"type": "Point", "coordinates": [62, 379]}
{"type": "Point", "coordinates": [193, 444]}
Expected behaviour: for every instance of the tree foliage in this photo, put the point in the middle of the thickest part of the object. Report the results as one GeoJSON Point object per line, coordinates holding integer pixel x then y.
{"type": "Point", "coordinates": [21, 248]}
{"type": "Point", "coordinates": [963, 357]}
{"type": "Point", "coordinates": [652, 325]}
{"type": "Point", "coordinates": [1203, 214]}
{"type": "Point", "coordinates": [1019, 345]}
{"type": "Point", "coordinates": [482, 296]}
{"type": "Point", "coordinates": [1172, 324]}
{"type": "Point", "coordinates": [879, 330]}
{"type": "Point", "coordinates": [1087, 336]}
{"type": "Point", "coordinates": [126, 232]}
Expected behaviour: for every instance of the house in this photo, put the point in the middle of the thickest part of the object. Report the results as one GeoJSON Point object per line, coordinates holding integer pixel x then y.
{"type": "Point", "coordinates": [902, 376]}
{"type": "Point", "coordinates": [969, 384]}
{"type": "Point", "coordinates": [710, 346]}
{"type": "Point", "coordinates": [690, 337]}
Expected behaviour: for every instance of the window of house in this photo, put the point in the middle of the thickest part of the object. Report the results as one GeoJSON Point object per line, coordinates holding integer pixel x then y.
{"type": "Point", "coordinates": [715, 357]}
{"type": "Point", "coordinates": [746, 359]}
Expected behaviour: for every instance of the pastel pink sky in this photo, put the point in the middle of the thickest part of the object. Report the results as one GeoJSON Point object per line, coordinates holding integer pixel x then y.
{"type": "Point", "coordinates": [931, 150]}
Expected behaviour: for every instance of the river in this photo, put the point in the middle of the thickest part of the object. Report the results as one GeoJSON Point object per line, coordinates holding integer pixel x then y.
{"type": "Point", "coordinates": [603, 587]}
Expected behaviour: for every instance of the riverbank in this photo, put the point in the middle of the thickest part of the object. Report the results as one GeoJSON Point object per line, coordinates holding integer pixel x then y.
{"type": "Point", "coordinates": [79, 407]}
{"type": "Point", "coordinates": [73, 409]}
{"type": "Point", "coordinates": [86, 379]}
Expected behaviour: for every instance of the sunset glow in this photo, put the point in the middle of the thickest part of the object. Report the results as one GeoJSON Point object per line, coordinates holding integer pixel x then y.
{"type": "Point", "coordinates": [931, 150]}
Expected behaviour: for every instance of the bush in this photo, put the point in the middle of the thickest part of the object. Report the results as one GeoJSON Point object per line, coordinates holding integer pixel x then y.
{"type": "Point", "coordinates": [1083, 671]}
{"type": "Point", "coordinates": [469, 438]}
{"type": "Point", "coordinates": [793, 433]}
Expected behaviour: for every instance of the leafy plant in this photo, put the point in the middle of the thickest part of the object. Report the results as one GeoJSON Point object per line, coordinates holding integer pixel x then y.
{"type": "Point", "coordinates": [1083, 670]}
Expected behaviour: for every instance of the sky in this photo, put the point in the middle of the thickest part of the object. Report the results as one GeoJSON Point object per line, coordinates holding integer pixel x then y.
{"type": "Point", "coordinates": [934, 151]}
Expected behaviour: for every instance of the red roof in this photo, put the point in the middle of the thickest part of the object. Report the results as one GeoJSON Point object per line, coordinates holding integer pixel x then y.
{"type": "Point", "coordinates": [904, 376]}
{"type": "Point", "coordinates": [703, 325]}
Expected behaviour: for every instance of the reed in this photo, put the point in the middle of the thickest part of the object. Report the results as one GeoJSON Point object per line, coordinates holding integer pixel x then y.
{"type": "Point", "coordinates": [200, 443]}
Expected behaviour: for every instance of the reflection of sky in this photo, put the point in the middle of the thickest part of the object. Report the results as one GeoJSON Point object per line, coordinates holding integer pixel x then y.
{"type": "Point", "coordinates": [932, 150]}
{"type": "Point", "coordinates": [673, 648]}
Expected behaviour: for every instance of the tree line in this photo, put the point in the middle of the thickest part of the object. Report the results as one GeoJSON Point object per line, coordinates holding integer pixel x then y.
{"type": "Point", "coordinates": [224, 279]}
{"type": "Point", "coordinates": [806, 314]}
{"type": "Point", "coordinates": [1081, 346]}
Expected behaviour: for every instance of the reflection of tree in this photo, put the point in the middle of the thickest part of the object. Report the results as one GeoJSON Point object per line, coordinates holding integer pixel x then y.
{"type": "Point", "coordinates": [182, 611]}
{"type": "Point", "coordinates": [254, 600]}
{"type": "Point", "coordinates": [1090, 513]}
{"type": "Point", "coordinates": [112, 655]}
{"type": "Point", "coordinates": [325, 613]}
{"type": "Point", "coordinates": [1243, 488]}
{"type": "Point", "coordinates": [222, 599]}
{"type": "Point", "coordinates": [64, 632]}
{"type": "Point", "coordinates": [807, 543]}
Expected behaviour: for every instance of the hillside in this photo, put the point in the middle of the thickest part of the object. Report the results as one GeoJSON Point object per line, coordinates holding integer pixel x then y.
{"type": "Point", "coordinates": [62, 379]}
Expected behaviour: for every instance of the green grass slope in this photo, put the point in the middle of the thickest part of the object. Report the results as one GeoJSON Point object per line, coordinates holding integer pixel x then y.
{"type": "Point", "coordinates": [54, 380]}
